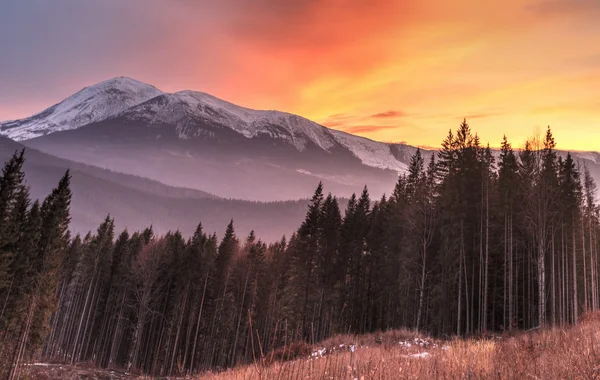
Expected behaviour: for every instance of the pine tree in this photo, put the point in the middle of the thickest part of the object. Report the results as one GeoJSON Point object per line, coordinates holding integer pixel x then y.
{"type": "Point", "coordinates": [45, 264]}
{"type": "Point", "coordinates": [507, 188]}
{"type": "Point", "coordinates": [11, 184]}
{"type": "Point", "coordinates": [305, 262]}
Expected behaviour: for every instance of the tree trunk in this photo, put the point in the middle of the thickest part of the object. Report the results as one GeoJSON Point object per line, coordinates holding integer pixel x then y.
{"type": "Point", "coordinates": [575, 299]}
{"type": "Point", "coordinates": [237, 330]}
{"type": "Point", "coordinates": [422, 286]}
{"type": "Point", "coordinates": [81, 321]}
{"type": "Point", "coordinates": [181, 313]}
{"type": "Point", "coordinates": [460, 259]}
{"type": "Point", "coordinates": [487, 258]}
{"type": "Point", "coordinates": [510, 274]}
{"type": "Point", "coordinates": [541, 284]}
{"type": "Point", "coordinates": [193, 358]}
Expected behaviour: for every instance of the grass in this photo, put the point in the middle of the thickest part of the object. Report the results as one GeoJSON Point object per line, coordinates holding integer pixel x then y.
{"type": "Point", "coordinates": [571, 352]}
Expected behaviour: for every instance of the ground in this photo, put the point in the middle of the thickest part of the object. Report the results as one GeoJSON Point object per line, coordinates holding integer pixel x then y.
{"type": "Point", "coordinates": [568, 352]}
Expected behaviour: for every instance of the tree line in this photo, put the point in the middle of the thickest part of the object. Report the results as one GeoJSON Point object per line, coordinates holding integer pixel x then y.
{"type": "Point", "coordinates": [469, 241]}
{"type": "Point", "coordinates": [34, 238]}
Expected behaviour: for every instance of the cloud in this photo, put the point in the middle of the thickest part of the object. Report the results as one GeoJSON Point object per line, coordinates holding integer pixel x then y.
{"type": "Point", "coordinates": [400, 142]}
{"type": "Point", "coordinates": [368, 128]}
{"type": "Point", "coordinates": [428, 147]}
{"type": "Point", "coordinates": [317, 25]}
{"type": "Point", "coordinates": [279, 41]}
{"type": "Point", "coordinates": [355, 60]}
{"type": "Point", "coordinates": [481, 115]}
{"type": "Point", "coordinates": [337, 120]}
{"type": "Point", "coordinates": [389, 114]}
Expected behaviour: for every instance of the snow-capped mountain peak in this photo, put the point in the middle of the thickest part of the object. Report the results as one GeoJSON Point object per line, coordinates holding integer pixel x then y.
{"type": "Point", "coordinates": [251, 123]}
{"type": "Point", "coordinates": [188, 112]}
{"type": "Point", "coordinates": [91, 104]}
{"type": "Point", "coordinates": [182, 108]}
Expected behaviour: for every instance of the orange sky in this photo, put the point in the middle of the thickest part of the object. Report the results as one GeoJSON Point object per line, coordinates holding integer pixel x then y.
{"type": "Point", "coordinates": [391, 70]}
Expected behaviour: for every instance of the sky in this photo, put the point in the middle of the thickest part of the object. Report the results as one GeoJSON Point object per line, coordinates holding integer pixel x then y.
{"type": "Point", "coordinates": [390, 70]}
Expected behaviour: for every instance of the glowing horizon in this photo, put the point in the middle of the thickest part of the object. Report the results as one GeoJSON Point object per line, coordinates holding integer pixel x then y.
{"type": "Point", "coordinates": [395, 71]}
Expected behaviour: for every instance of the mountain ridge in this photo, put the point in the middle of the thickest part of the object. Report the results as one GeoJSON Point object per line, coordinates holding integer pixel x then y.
{"type": "Point", "coordinates": [191, 139]}
{"type": "Point", "coordinates": [131, 98]}
{"type": "Point", "coordinates": [114, 95]}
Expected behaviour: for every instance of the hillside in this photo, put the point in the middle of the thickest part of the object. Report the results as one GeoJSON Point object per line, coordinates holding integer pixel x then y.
{"type": "Point", "coordinates": [570, 352]}
{"type": "Point", "coordinates": [194, 140]}
{"type": "Point", "coordinates": [136, 202]}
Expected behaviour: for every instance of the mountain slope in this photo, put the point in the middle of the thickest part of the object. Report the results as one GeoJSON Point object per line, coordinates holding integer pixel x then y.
{"type": "Point", "coordinates": [91, 104]}
{"type": "Point", "coordinates": [194, 140]}
{"type": "Point", "coordinates": [127, 96]}
{"type": "Point", "coordinates": [136, 202]}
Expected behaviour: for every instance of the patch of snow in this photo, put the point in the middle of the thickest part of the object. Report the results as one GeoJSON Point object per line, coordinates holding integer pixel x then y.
{"type": "Point", "coordinates": [297, 130]}
{"type": "Point", "coordinates": [416, 342]}
{"type": "Point", "coordinates": [421, 355]}
{"type": "Point", "coordinates": [319, 353]}
{"type": "Point", "coordinates": [322, 352]}
{"type": "Point", "coordinates": [590, 156]}
{"type": "Point", "coordinates": [371, 153]}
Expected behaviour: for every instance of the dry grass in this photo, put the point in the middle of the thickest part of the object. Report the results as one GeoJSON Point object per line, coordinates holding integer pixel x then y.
{"type": "Point", "coordinates": [566, 353]}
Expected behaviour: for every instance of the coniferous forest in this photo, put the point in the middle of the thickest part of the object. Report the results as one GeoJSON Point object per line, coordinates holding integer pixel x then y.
{"type": "Point", "coordinates": [470, 241]}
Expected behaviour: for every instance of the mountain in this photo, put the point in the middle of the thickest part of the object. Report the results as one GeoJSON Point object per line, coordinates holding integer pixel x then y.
{"type": "Point", "coordinates": [136, 202]}
{"type": "Point", "coordinates": [194, 140]}
{"type": "Point", "coordinates": [89, 105]}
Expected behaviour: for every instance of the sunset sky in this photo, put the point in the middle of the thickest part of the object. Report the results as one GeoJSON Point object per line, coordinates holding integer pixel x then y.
{"type": "Point", "coordinates": [390, 70]}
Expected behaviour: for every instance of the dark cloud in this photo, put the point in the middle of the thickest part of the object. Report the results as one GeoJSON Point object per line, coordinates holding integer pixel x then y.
{"type": "Point", "coordinates": [389, 114]}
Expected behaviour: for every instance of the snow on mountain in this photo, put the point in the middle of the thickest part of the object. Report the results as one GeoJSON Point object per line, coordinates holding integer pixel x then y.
{"type": "Point", "coordinates": [298, 131]}
{"type": "Point", "coordinates": [371, 153]}
{"type": "Point", "coordinates": [91, 104]}
{"type": "Point", "coordinates": [591, 156]}
{"type": "Point", "coordinates": [125, 97]}
{"type": "Point", "coordinates": [178, 108]}
{"type": "Point", "coordinates": [252, 123]}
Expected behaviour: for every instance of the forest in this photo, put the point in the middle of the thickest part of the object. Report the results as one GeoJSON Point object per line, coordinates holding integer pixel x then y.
{"type": "Point", "coordinates": [470, 241]}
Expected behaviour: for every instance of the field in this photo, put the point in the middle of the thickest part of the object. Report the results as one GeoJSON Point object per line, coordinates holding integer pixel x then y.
{"type": "Point", "coordinates": [570, 352]}
{"type": "Point", "coordinates": [560, 353]}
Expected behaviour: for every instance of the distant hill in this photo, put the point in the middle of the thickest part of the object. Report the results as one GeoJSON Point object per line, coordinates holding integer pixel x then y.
{"type": "Point", "coordinates": [137, 202]}
{"type": "Point", "coordinates": [194, 140]}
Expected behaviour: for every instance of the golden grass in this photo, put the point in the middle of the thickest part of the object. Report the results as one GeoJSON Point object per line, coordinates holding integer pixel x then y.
{"type": "Point", "coordinates": [565, 353]}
